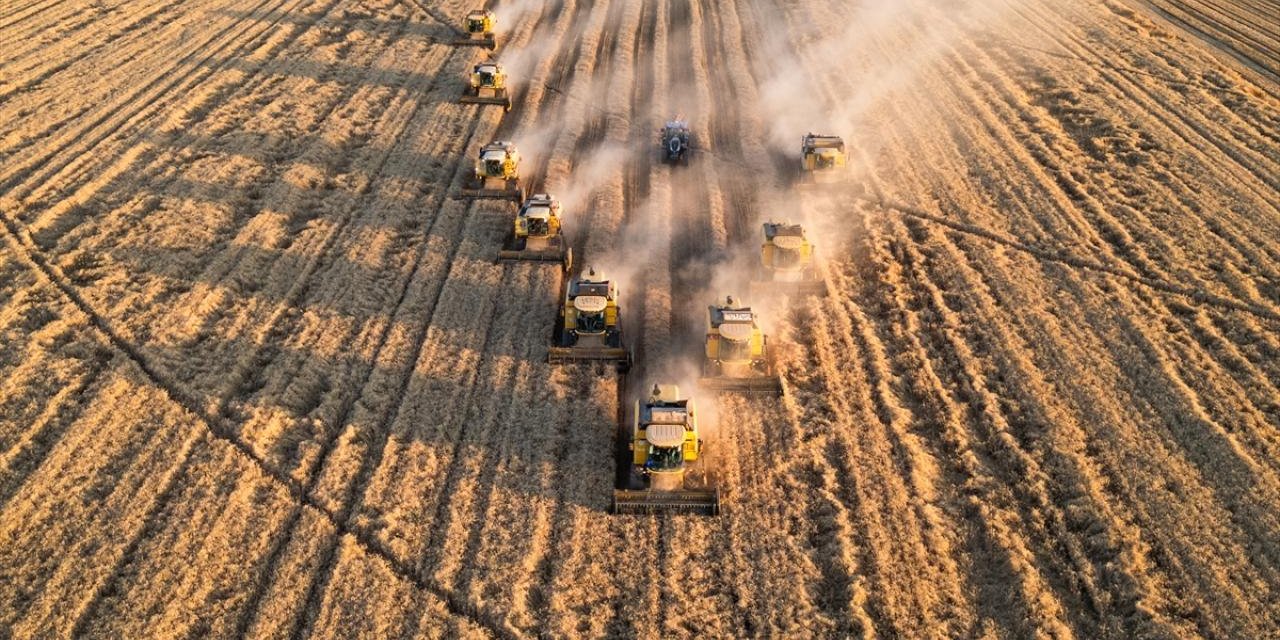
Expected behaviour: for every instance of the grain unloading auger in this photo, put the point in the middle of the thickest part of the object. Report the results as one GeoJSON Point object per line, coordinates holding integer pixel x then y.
{"type": "Point", "coordinates": [478, 30]}
{"type": "Point", "coordinates": [668, 469]}
{"type": "Point", "coordinates": [589, 327]}
{"type": "Point", "coordinates": [537, 233]}
{"type": "Point", "coordinates": [787, 262]}
{"type": "Point", "coordinates": [738, 357]}
{"type": "Point", "coordinates": [487, 85]}
{"type": "Point", "coordinates": [497, 173]}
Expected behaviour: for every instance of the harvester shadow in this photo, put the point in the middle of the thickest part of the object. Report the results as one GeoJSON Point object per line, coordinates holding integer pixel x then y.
{"type": "Point", "coordinates": [475, 400]}
{"type": "Point", "coordinates": [309, 391]}
{"type": "Point", "coordinates": [353, 20]}
{"type": "Point", "coordinates": [330, 72]}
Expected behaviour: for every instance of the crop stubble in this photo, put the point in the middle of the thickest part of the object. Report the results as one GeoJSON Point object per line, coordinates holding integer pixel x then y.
{"type": "Point", "coordinates": [1041, 399]}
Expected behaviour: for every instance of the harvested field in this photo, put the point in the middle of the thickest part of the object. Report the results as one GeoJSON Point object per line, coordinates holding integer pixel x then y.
{"type": "Point", "coordinates": [261, 375]}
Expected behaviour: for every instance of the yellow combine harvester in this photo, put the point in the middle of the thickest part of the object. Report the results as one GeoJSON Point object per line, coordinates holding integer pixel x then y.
{"type": "Point", "coordinates": [590, 325]}
{"type": "Point", "coordinates": [668, 468]}
{"type": "Point", "coordinates": [822, 159]}
{"type": "Point", "coordinates": [787, 262]}
{"type": "Point", "coordinates": [738, 357]}
{"type": "Point", "coordinates": [537, 233]}
{"type": "Point", "coordinates": [488, 86]}
{"type": "Point", "coordinates": [497, 173]}
{"type": "Point", "coordinates": [478, 29]}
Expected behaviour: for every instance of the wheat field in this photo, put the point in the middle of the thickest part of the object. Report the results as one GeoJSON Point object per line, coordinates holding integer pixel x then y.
{"type": "Point", "coordinates": [260, 374]}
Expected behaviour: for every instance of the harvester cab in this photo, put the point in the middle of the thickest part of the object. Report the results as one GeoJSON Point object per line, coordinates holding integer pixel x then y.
{"type": "Point", "coordinates": [488, 85]}
{"type": "Point", "coordinates": [738, 358]}
{"type": "Point", "coordinates": [478, 29]}
{"type": "Point", "coordinates": [787, 262]}
{"type": "Point", "coordinates": [497, 173]}
{"type": "Point", "coordinates": [822, 159]}
{"type": "Point", "coordinates": [676, 141]}
{"type": "Point", "coordinates": [668, 468]}
{"type": "Point", "coordinates": [589, 326]}
{"type": "Point", "coordinates": [537, 233]}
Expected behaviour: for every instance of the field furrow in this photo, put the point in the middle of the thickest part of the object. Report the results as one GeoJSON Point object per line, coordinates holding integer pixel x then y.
{"type": "Point", "coordinates": [261, 373]}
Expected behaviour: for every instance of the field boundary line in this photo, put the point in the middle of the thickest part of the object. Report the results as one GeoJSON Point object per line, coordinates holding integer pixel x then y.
{"type": "Point", "coordinates": [17, 236]}
{"type": "Point", "coordinates": [1076, 262]}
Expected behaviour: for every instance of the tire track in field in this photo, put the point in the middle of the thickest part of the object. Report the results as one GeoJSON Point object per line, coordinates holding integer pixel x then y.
{"type": "Point", "coordinates": [213, 427]}
{"type": "Point", "coordinates": [1179, 189]}
{"type": "Point", "coordinates": [1175, 121]}
{"type": "Point", "coordinates": [10, 23]}
{"type": "Point", "coordinates": [256, 361]}
{"type": "Point", "coordinates": [1113, 231]}
{"type": "Point", "coordinates": [885, 397]}
{"type": "Point", "coordinates": [619, 22]}
{"type": "Point", "coordinates": [1258, 54]}
{"type": "Point", "coordinates": [52, 223]}
{"type": "Point", "coordinates": [274, 321]}
{"type": "Point", "coordinates": [350, 499]}
{"type": "Point", "coordinates": [133, 28]}
{"type": "Point", "coordinates": [1197, 296]}
{"type": "Point", "coordinates": [107, 488]}
{"type": "Point", "coordinates": [1059, 555]}
{"type": "Point", "coordinates": [1172, 457]}
{"type": "Point", "coordinates": [594, 37]}
{"type": "Point", "coordinates": [141, 103]}
{"type": "Point", "coordinates": [1091, 52]}
{"type": "Point", "coordinates": [13, 16]}
{"type": "Point", "coordinates": [348, 406]}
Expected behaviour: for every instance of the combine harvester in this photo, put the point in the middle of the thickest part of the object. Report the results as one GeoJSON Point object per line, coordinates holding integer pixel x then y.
{"type": "Point", "coordinates": [488, 86]}
{"type": "Point", "coordinates": [589, 326]}
{"type": "Point", "coordinates": [668, 468]}
{"type": "Point", "coordinates": [787, 262]}
{"type": "Point", "coordinates": [478, 30]}
{"type": "Point", "coordinates": [537, 233]}
{"type": "Point", "coordinates": [497, 173]}
{"type": "Point", "coordinates": [677, 141]}
{"type": "Point", "coordinates": [738, 358]}
{"type": "Point", "coordinates": [823, 160]}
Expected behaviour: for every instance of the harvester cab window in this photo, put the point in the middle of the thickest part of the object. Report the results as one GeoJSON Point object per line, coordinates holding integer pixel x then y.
{"type": "Point", "coordinates": [537, 225]}
{"type": "Point", "coordinates": [664, 458]}
{"type": "Point", "coordinates": [784, 257]}
{"type": "Point", "coordinates": [475, 25]}
{"type": "Point", "coordinates": [593, 289]}
{"type": "Point", "coordinates": [493, 166]}
{"type": "Point", "coordinates": [590, 322]}
{"type": "Point", "coordinates": [735, 350]}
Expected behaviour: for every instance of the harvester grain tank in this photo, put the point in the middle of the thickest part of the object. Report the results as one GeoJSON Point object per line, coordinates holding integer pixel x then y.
{"type": "Point", "coordinates": [537, 233]}
{"type": "Point", "coordinates": [788, 263]}
{"type": "Point", "coordinates": [738, 357]}
{"type": "Point", "coordinates": [589, 327]}
{"type": "Point", "coordinates": [677, 141]}
{"type": "Point", "coordinates": [487, 85]}
{"type": "Point", "coordinates": [478, 29]}
{"type": "Point", "coordinates": [668, 467]}
{"type": "Point", "coordinates": [823, 159]}
{"type": "Point", "coordinates": [497, 173]}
